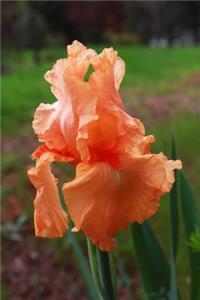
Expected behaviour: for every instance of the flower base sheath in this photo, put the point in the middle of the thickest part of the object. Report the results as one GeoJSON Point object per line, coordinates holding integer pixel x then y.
{"type": "Point", "coordinates": [118, 180]}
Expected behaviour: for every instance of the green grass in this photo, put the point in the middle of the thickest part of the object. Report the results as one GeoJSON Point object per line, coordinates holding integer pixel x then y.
{"type": "Point", "coordinates": [152, 68]}
{"type": "Point", "coordinates": [22, 92]}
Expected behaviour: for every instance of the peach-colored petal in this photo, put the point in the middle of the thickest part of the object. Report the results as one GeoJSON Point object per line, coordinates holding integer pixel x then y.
{"type": "Point", "coordinates": [76, 105]}
{"type": "Point", "coordinates": [83, 112]}
{"type": "Point", "coordinates": [61, 156]}
{"type": "Point", "coordinates": [101, 200]}
{"type": "Point", "coordinates": [145, 144]}
{"type": "Point", "coordinates": [170, 166]}
{"type": "Point", "coordinates": [75, 66]}
{"type": "Point", "coordinates": [49, 217]}
{"type": "Point", "coordinates": [119, 72]}
{"type": "Point", "coordinates": [109, 63]}
{"type": "Point", "coordinates": [45, 114]}
{"type": "Point", "coordinates": [109, 71]}
{"type": "Point", "coordinates": [56, 78]}
{"type": "Point", "coordinates": [111, 133]}
{"type": "Point", "coordinates": [46, 126]}
{"type": "Point", "coordinates": [75, 48]}
{"type": "Point", "coordinates": [131, 132]}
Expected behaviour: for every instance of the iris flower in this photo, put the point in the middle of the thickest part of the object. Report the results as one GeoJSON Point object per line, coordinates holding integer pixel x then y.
{"type": "Point", "coordinates": [118, 180]}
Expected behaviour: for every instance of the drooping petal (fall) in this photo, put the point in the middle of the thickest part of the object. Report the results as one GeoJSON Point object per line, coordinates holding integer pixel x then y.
{"type": "Point", "coordinates": [101, 200]}
{"type": "Point", "coordinates": [49, 217]}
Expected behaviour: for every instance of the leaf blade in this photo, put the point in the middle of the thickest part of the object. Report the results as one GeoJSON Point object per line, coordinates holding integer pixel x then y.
{"type": "Point", "coordinates": [174, 224]}
{"type": "Point", "coordinates": [191, 222]}
{"type": "Point", "coordinates": [152, 262]}
{"type": "Point", "coordinates": [174, 197]}
{"type": "Point", "coordinates": [93, 265]}
{"type": "Point", "coordinates": [92, 291]}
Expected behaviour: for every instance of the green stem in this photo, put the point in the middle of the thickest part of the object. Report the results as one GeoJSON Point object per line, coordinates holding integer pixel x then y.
{"type": "Point", "coordinates": [93, 263]}
{"type": "Point", "coordinates": [105, 274]}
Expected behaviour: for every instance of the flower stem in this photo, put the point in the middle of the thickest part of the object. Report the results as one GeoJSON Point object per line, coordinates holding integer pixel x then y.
{"type": "Point", "coordinates": [105, 274]}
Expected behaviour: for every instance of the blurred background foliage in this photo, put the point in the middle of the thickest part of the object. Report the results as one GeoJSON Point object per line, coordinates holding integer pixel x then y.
{"type": "Point", "coordinates": [159, 42]}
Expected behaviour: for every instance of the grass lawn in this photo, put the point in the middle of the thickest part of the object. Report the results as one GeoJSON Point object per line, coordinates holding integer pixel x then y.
{"type": "Point", "coordinates": [158, 74]}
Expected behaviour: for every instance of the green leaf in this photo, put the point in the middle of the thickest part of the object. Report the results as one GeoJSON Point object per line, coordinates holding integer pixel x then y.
{"type": "Point", "coordinates": [194, 241]}
{"type": "Point", "coordinates": [94, 265]}
{"type": "Point", "coordinates": [152, 262]}
{"type": "Point", "coordinates": [113, 274]}
{"type": "Point", "coordinates": [174, 195]}
{"type": "Point", "coordinates": [174, 220]}
{"type": "Point", "coordinates": [191, 222]}
{"type": "Point", "coordinates": [90, 285]}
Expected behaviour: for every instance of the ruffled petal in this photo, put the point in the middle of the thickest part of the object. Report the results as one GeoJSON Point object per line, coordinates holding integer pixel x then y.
{"type": "Point", "coordinates": [131, 132]}
{"type": "Point", "coordinates": [74, 66]}
{"type": "Point", "coordinates": [119, 72]}
{"type": "Point", "coordinates": [105, 134]}
{"type": "Point", "coordinates": [75, 48]}
{"type": "Point", "coordinates": [46, 126]}
{"type": "Point", "coordinates": [56, 78]}
{"type": "Point", "coordinates": [170, 166]}
{"type": "Point", "coordinates": [109, 71]}
{"type": "Point", "coordinates": [101, 200]}
{"type": "Point", "coordinates": [49, 217]}
{"type": "Point", "coordinates": [74, 122]}
{"type": "Point", "coordinates": [76, 103]}
{"type": "Point", "coordinates": [144, 146]}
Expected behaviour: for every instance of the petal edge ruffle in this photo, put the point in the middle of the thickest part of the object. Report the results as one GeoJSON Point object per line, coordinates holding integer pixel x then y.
{"type": "Point", "coordinates": [102, 200]}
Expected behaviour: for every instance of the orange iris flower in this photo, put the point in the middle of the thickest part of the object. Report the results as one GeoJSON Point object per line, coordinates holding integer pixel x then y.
{"type": "Point", "coordinates": [118, 180]}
